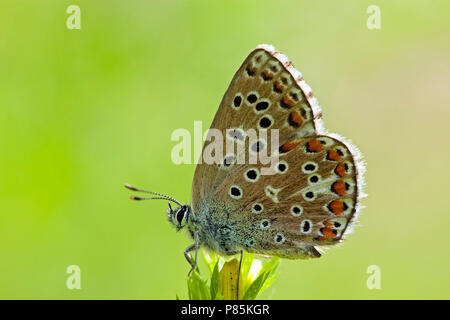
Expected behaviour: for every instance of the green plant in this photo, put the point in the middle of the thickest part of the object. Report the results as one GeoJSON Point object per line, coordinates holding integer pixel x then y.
{"type": "Point", "coordinates": [257, 274]}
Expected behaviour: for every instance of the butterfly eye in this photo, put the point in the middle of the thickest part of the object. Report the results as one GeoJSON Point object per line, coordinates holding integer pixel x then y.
{"type": "Point", "coordinates": [180, 215]}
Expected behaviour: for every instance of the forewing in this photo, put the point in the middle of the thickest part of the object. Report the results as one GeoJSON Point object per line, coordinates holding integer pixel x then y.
{"type": "Point", "coordinates": [266, 88]}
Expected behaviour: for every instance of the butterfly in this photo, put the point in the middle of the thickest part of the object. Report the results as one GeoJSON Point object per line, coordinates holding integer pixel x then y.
{"type": "Point", "coordinates": [313, 196]}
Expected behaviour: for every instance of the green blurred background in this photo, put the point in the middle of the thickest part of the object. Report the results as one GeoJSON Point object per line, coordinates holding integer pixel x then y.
{"type": "Point", "coordinates": [84, 111]}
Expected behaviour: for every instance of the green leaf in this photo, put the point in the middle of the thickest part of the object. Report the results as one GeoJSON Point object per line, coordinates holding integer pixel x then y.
{"type": "Point", "coordinates": [215, 281]}
{"type": "Point", "coordinates": [247, 261]}
{"type": "Point", "coordinates": [211, 260]}
{"type": "Point", "coordinates": [219, 296]}
{"type": "Point", "coordinates": [198, 288]}
{"type": "Point", "coordinates": [271, 267]}
{"type": "Point", "coordinates": [221, 283]}
{"type": "Point", "coordinates": [254, 289]}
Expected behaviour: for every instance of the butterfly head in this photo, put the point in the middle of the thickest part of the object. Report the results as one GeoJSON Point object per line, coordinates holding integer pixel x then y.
{"type": "Point", "coordinates": [179, 216]}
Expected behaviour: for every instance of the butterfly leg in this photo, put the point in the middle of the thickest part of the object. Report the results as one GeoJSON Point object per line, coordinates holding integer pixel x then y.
{"type": "Point", "coordinates": [186, 253]}
{"type": "Point", "coordinates": [238, 275]}
{"type": "Point", "coordinates": [195, 247]}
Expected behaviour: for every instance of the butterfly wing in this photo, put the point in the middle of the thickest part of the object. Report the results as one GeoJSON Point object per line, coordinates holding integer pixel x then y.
{"type": "Point", "coordinates": [267, 92]}
{"type": "Point", "coordinates": [270, 77]}
{"type": "Point", "coordinates": [309, 202]}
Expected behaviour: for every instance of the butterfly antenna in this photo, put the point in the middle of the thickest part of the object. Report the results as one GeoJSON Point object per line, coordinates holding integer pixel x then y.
{"type": "Point", "coordinates": [146, 198]}
{"type": "Point", "coordinates": [161, 195]}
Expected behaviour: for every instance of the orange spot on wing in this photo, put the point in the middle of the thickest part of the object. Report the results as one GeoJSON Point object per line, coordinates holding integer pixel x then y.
{"type": "Point", "coordinates": [267, 75]}
{"type": "Point", "coordinates": [333, 155]}
{"type": "Point", "coordinates": [340, 170]}
{"type": "Point", "coordinates": [328, 224]}
{"type": "Point", "coordinates": [337, 207]}
{"type": "Point", "coordinates": [289, 145]}
{"type": "Point", "coordinates": [295, 119]}
{"type": "Point", "coordinates": [287, 101]}
{"type": "Point", "coordinates": [314, 146]}
{"type": "Point", "coordinates": [278, 86]}
{"type": "Point", "coordinates": [328, 232]}
{"type": "Point", "coordinates": [339, 188]}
